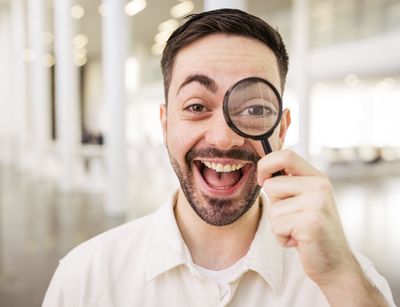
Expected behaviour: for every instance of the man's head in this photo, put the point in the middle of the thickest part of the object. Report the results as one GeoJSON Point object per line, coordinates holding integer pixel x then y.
{"type": "Point", "coordinates": [223, 21]}
{"type": "Point", "coordinates": [202, 60]}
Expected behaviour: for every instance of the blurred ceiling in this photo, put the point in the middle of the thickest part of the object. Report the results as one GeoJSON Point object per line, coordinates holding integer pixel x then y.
{"type": "Point", "coordinates": [333, 21]}
{"type": "Point", "coordinates": [143, 26]}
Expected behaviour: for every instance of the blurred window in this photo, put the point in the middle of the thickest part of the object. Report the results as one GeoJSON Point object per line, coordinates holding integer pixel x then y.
{"type": "Point", "coordinates": [355, 113]}
{"type": "Point", "coordinates": [336, 21]}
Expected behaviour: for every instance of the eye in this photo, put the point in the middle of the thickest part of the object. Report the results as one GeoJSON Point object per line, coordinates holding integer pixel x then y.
{"type": "Point", "coordinates": [257, 110]}
{"type": "Point", "coordinates": [196, 108]}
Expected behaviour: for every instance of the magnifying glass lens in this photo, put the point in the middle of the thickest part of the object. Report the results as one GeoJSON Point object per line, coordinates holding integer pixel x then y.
{"type": "Point", "coordinates": [253, 107]}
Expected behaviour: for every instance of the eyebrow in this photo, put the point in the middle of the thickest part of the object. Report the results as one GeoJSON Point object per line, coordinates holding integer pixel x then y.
{"type": "Point", "coordinates": [203, 80]}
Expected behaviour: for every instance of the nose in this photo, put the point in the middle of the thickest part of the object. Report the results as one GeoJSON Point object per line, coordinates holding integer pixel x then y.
{"type": "Point", "coordinates": [219, 134]}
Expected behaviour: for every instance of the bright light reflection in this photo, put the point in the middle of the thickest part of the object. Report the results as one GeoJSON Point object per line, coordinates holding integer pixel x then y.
{"type": "Point", "coordinates": [134, 7]}
{"type": "Point", "coordinates": [80, 41]}
{"type": "Point", "coordinates": [168, 25]}
{"type": "Point", "coordinates": [80, 53]}
{"type": "Point", "coordinates": [77, 12]}
{"type": "Point", "coordinates": [181, 9]}
{"type": "Point", "coordinates": [162, 37]}
{"type": "Point", "coordinates": [80, 61]}
{"type": "Point", "coordinates": [49, 60]}
{"type": "Point", "coordinates": [157, 49]}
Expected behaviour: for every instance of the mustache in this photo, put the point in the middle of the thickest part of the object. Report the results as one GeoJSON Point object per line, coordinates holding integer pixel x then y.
{"type": "Point", "coordinates": [210, 152]}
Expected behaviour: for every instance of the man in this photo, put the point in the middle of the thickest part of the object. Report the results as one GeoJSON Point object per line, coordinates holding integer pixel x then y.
{"type": "Point", "coordinates": [218, 241]}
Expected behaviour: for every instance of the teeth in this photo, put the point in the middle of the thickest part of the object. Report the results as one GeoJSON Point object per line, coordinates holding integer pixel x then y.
{"type": "Point", "coordinates": [222, 167]}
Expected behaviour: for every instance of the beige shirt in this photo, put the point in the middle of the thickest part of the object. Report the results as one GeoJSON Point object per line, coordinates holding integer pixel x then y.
{"type": "Point", "coordinates": [146, 263]}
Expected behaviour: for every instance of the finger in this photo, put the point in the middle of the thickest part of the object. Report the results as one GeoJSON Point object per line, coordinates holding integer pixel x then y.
{"type": "Point", "coordinates": [284, 160]}
{"type": "Point", "coordinates": [283, 228]}
{"type": "Point", "coordinates": [286, 206]}
{"type": "Point", "coordinates": [282, 187]}
{"type": "Point", "coordinates": [304, 227]}
{"type": "Point", "coordinates": [291, 243]}
{"type": "Point", "coordinates": [286, 241]}
{"type": "Point", "coordinates": [315, 201]}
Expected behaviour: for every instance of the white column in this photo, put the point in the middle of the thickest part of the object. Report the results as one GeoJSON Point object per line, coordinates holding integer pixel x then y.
{"type": "Point", "coordinates": [5, 95]}
{"type": "Point", "coordinates": [18, 79]}
{"type": "Point", "coordinates": [67, 98]}
{"type": "Point", "coordinates": [300, 71]}
{"type": "Point", "coordinates": [219, 4]}
{"type": "Point", "coordinates": [114, 55]}
{"type": "Point", "coordinates": [39, 84]}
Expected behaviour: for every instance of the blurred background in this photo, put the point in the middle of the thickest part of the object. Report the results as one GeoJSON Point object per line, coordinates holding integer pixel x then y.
{"type": "Point", "coordinates": [81, 146]}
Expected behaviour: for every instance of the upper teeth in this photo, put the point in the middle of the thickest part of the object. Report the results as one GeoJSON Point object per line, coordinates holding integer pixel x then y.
{"type": "Point", "coordinates": [222, 167]}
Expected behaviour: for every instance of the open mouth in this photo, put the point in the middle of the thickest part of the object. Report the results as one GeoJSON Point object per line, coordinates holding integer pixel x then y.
{"type": "Point", "coordinates": [221, 178]}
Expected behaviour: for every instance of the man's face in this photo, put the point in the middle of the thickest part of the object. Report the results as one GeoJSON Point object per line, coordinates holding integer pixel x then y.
{"type": "Point", "coordinates": [216, 167]}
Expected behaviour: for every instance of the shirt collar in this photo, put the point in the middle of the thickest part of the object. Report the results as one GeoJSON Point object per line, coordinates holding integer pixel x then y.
{"type": "Point", "coordinates": [167, 248]}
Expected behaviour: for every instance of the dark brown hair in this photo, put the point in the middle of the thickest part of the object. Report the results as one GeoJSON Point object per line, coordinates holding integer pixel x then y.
{"type": "Point", "coordinates": [227, 21]}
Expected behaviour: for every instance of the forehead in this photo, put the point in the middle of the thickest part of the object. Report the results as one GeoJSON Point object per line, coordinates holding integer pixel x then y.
{"type": "Point", "coordinates": [226, 59]}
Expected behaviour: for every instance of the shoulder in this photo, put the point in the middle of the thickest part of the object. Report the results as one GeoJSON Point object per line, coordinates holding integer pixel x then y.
{"type": "Point", "coordinates": [108, 266]}
{"type": "Point", "coordinates": [90, 273]}
{"type": "Point", "coordinates": [116, 244]}
{"type": "Point", "coordinates": [122, 246]}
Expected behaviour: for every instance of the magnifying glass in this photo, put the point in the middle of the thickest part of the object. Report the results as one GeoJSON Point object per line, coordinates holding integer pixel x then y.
{"type": "Point", "coordinates": [253, 108]}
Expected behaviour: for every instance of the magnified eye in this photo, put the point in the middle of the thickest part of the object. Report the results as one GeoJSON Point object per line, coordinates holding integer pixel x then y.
{"type": "Point", "coordinates": [252, 108]}
{"type": "Point", "coordinates": [257, 110]}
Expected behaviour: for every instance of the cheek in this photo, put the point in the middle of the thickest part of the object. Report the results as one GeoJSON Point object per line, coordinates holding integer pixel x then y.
{"type": "Point", "coordinates": [257, 147]}
{"type": "Point", "coordinates": [182, 136]}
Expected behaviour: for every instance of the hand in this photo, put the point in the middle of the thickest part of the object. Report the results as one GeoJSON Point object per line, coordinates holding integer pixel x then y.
{"type": "Point", "coordinates": [303, 214]}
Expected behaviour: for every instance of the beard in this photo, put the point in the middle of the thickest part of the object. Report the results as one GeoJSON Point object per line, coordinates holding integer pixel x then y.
{"type": "Point", "coordinates": [216, 211]}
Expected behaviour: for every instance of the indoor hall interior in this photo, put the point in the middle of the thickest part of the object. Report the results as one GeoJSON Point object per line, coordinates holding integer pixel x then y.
{"type": "Point", "coordinates": [81, 148]}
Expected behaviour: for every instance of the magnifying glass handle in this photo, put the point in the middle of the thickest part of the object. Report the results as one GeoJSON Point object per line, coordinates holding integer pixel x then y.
{"type": "Point", "coordinates": [268, 149]}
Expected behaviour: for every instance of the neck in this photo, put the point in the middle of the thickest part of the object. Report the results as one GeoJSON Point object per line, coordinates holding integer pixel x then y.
{"type": "Point", "coordinates": [216, 247]}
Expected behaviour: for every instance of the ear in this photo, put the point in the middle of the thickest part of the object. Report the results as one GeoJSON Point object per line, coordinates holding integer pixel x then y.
{"type": "Point", "coordinates": [284, 126]}
{"type": "Point", "coordinates": [163, 120]}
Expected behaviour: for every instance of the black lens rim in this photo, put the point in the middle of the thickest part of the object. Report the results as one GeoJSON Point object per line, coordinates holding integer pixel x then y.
{"type": "Point", "coordinates": [229, 120]}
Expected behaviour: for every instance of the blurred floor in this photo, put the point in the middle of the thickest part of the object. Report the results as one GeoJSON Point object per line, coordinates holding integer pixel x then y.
{"type": "Point", "coordinates": [38, 225]}
{"type": "Point", "coordinates": [370, 212]}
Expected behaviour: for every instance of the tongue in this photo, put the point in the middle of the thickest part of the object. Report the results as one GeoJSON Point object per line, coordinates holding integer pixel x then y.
{"type": "Point", "coordinates": [221, 180]}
